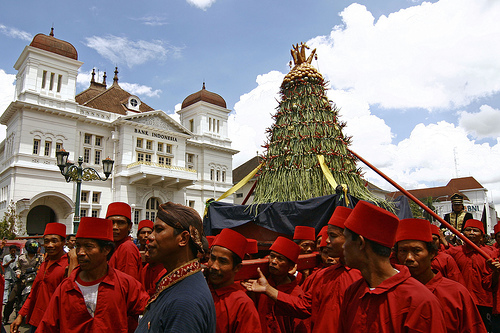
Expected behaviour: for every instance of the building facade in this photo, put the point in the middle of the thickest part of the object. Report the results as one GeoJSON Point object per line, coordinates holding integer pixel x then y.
{"type": "Point", "coordinates": [156, 158]}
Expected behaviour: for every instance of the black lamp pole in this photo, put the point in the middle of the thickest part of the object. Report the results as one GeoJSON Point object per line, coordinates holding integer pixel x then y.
{"type": "Point", "coordinates": [77, 173]}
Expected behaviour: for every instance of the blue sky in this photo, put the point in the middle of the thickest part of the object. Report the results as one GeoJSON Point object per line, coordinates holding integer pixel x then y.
{"type": "Point", "coordinates": [417, 82]}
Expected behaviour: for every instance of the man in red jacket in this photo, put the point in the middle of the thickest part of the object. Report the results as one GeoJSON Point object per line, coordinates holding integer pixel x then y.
{"type": "Point", "coordinates": [321, 302]}
{"type": "Point", "coordinates": [96, 297]}
{"type": "Point", "coordinates": [126, 257]}
{"type": "Point", "coordinates": [387, 298]}
{"type": "Point", "coordinates": [234, 309]}
{"type": "Point", "coordinates": [473, 265]}
{"type": "Point", "coordinates": [50, 274]}
{"type": "Point", "coordinates": [415, 249]}
{"type": "Point", "coordinates": [443, 262]}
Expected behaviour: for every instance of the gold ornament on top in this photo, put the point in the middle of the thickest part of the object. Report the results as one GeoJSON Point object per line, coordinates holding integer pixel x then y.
{"type": "Point", "coordinates": [303, 70]}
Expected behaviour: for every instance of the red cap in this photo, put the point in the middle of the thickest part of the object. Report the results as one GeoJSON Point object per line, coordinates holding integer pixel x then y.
{"type": "Point", "coordinates": [55, 229]}
{"type": "Point", "coordinates": [435, 229]}
{"type": "Point", "coordinates": [210, 240]}
{"type": "Point", "coordinates": [414, 229]}
{"type": "Point", "coordinates": [252, 247]}
{"type": "Point", "coordinates": [146, 224]}
{"type": "Point", "coordinates": [286, 247]}
{"type": "Point", "coordinates": [373, 223]}
{"type": "Point", "coordinates": [474, 224]}
{"type": "Point", "coordinates": [496, 229]}
{"type": "Point", "coordinates": [340, 214]}
{"type": "Point", "coordinates": [304, 233]}
{"type": "Point", "coordinates": [95, 228]}
{"type": "Point", "coordinates": [233, 241]}
{"type": "Point", "coordinates": [119, 208]}
{"type": "Point", "coordinates": [324, 235]}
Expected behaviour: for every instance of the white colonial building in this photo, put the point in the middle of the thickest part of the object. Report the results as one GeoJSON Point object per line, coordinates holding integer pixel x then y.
{"type": "Point", "coordinates": [156, 158]}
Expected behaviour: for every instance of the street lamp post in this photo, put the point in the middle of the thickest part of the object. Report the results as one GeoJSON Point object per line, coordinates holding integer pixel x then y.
{"type": "Point", "coordinates": [77, 173]}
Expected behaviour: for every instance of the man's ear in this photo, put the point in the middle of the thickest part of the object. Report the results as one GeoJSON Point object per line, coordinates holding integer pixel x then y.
{"type": "Point", "coordinates": [237, 268]}
{"type": "Point", "coordinates": [184, 238]}
{"type": "Point", "coordinates": [362, 242]}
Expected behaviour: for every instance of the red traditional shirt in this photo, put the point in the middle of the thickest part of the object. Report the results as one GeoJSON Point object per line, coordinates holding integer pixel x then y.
{"type": "Point", "coordinates": [127, 258]}
{"type": "Point", "coordinates": [49, 276]}
{"type": "Point", "coordinates": [271, 320]}
{"type": "Point", "coordinates": [399, 304]}
{"type": "Point", "coordinates": [323, 299]}
{"type": "Point", "coordinates": [472, 266]}
{"type": "Point", "coordinates": [446, 265]}
{"type": "Point", "coordinates": [460, 312]}
{"type": "Point", "coordinates": [235, 310]}
{"type": "Point", "coordinates": [150, 275]}
{"type": "Point", "coordinates": [119, 297]}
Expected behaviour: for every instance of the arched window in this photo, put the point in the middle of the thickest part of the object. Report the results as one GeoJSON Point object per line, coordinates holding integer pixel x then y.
{"type": "Point", "coordinates": [151, 208]}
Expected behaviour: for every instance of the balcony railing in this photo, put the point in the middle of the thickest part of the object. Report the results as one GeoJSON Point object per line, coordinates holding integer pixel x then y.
{"type": "Point", "coordinates": [154, 164]}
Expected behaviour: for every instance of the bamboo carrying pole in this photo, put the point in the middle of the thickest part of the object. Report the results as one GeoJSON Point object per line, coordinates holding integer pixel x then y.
{"type": "Point", "coordinates": [424, 207]}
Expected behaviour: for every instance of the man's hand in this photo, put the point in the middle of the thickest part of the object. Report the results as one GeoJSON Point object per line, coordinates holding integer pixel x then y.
{"type": "Point", "coordinates": [14, 327]}
{"type": "Point", "coordinates": [261, 286]}
{"type": "Point", "coordinates": [258, 286]}
{"type": "Point", "coordinates": [494, 264]}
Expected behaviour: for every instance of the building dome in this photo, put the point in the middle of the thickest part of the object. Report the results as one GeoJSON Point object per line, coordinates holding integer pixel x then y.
{"type": "Point", "coordinates": [205, 96]}
{"type": "Point", "coordinates": [54, 45]}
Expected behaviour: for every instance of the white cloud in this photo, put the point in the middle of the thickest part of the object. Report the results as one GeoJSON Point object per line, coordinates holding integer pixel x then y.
{"type": "Point", "coordinates": [483, 124]}
{"type": "Point", "coordinates": [83, 80]}
{"type": "Point", "coordinates": [7, 89]}
{"type": "Point", "coordinates": [252, 115]}
{"type": "Point", "coordinates": [140, 90]}
{"type": "Point", "coordinates": [202, 4]}
{"type": "Point", "coordinates": [154, 21]}
{"type": "Point", "coordinates": [430, 56]}
{"type": "Point", "coordinates": [121, 50]}
{"type": "Point", "coordinates": [15, 33]}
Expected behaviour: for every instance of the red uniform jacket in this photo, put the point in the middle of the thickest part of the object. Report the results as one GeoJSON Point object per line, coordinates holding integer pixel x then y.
{"type": "Point", "coordinates": [119, 296]}
{"type": "Point", "coordinates": [46, 281]}
{"type": "Point", "coordinates": [273, 320]}
{"type": "Point", "coordinates": [150, 275]}
{"type": "Point", "coordinates": [487, 284]}
{"type": "Point", "coordinates": [235, 310]}
{"type": "Point", "coordinates": [322, 301]}
{"type": "Point", "coordinates": [446, 265]}
{"type": "Point", "coordinates": [127, 258]}
{"type": "Point", "coordinates": [460, 312]}
{"type": "Point", "coordinates": [399, 304]}
{"type": "Point", "coordinates": [473, 267]}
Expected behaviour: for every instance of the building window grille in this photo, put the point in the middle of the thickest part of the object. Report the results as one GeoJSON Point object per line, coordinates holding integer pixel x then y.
{"type": "Point", "coordinates": [86, 155]}
{"type": "Point", "coordinates": [36, 146]}
{"type": "Point", "coordinates": [217, 125]}
{"type": "Point", "coordinates": [83, 212]}
{"type": "Point", "coordinates": [97, 157]}
{"type": "Point", "coordinates": [44, 79]}
{"type": "Point", "coordinates": [149, 145]}
{"type": "Point", "coordinates": [95, 213]}
{"type": "Point", "coordinates": [217, 176]}
{"type": "Point", "coordinates": [46, 151]}
{"type": "Point", "coordinates": [98, 141]}
{"type": "Point", "coordinates": [96, 197]}
{"type": "Point", "coordinates": [140, 157]}
{"type": "Point", "coordinates": [139, 143]}
{"type": "Point", "coordinates": [169, 149]}
{"type": "Point", "coordinates": [161, 160]}
{"type": "Point", "coordinates": [210, 124]}
{"type": "Point", "coordinates": [223, 176]}
{"type": "Point", "coordinates": [59, 82]}
{"type": "Point", "coordinates": [211, 174]}
{"type": "Point", "coordinates": [137, 216]}
{"type": "Point", "coordinates": [160, 146]}
{"type": "Point", "coordinates": [168, 161]}
{"type": "Point", "coordinates": [58, 146]}
{"type": "Point", "coordinates": [148, 157]}
{"type": "Point", "coordinates": [51, 84]}
{"type": "Point", "coordinates": [84, 196]}
{"type": "Point", "coordinates": [87, 139]}
{"type": "Point", "coordinates": [151, 208]}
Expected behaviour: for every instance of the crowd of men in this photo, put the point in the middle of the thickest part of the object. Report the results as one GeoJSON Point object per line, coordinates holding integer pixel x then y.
{"type": "Point", "coordinates": [376, 273]}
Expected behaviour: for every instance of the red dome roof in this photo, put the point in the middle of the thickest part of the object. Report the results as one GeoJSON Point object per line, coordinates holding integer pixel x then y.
{"type": "Point", "coordinates": [54, 45]}
{"type": "Point", "coordinates": [205, 96]}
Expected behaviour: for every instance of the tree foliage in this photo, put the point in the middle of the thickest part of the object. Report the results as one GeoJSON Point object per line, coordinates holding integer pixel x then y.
{"type": "Point", "coordinates": [10, 222]}
{"type": "Point", "coordinates": [306, 124]}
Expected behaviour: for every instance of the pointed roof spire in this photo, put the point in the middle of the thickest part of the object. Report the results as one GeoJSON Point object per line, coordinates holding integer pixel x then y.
{"type": "Point", "coordinates": [104, 78]}
{"type": "Point", "coordinates": [115, 79]}
{"type": "Point", "coordinates": [93, 76]}
{"type": "Point", "coordinates": [51, 32]}
{"type": "Point", "coordinates": [203, 85]}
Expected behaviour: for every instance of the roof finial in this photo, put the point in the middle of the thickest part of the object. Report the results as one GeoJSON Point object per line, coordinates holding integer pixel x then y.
{"type": "Point", "coordinates": [104, 78]}
{"type": "Point", "coordinates": [52, 31]}
{"type": "Point", "coordinates": [93, 76]}
{"type": "Point", "coordinates": [115, 79]}
{"type": "Point", "coordinates": [203, 85]}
